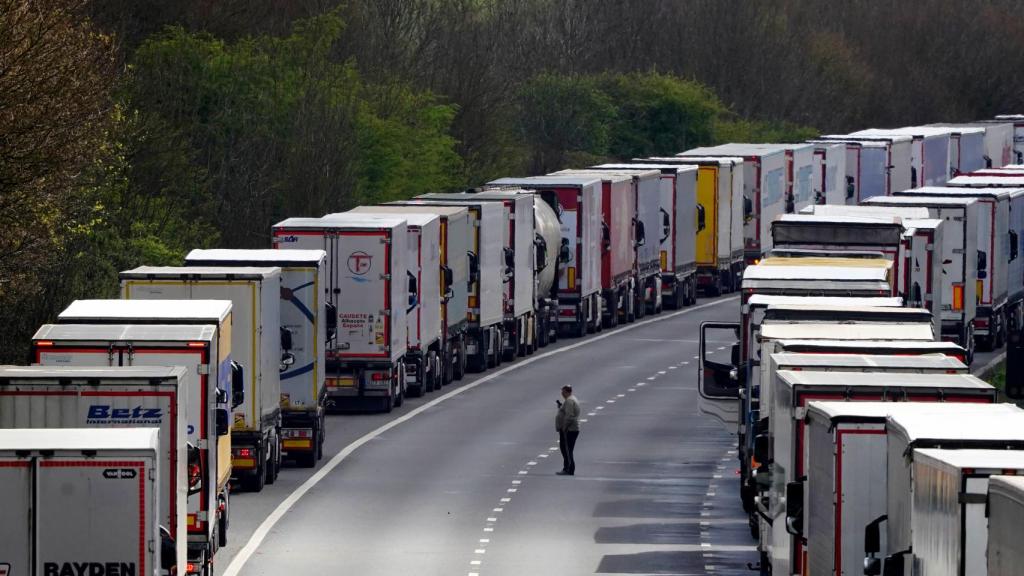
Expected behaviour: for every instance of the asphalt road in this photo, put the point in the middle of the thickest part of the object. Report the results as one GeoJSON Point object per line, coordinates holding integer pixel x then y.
{"type": "Point", "coordinates": [463, 481]}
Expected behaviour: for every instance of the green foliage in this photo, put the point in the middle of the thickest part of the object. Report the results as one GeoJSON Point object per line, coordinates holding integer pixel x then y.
{"type": "Point", "coordinates": [563, 116]}
{"type": "Point", "coordinates": [281, 128]}
{"type": "Point", "coordinates": [659, 115]}
{"type": "Point", "coordinates": [755, 131]}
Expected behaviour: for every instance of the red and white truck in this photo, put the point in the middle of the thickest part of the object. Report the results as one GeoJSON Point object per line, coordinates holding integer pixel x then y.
{"type": "Point", "coordinates": [205, 351]}
{"type": "Point", "coordinates": [586, 243]}
{"type": "Point", "coordinates": [368, 283]}
{"type": "Point", "coordinates": [880, 165]}
{"type": "Point", "coordinates": [60, 483]}
{"type": "Point", "coordinates": [33, 397]}
{"type": "Point", "coordinates": [678, 229]}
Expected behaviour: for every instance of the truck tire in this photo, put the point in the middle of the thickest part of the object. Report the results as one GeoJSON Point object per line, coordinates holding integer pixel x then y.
{"type": "Point", "coordinates": [629, 305]}
{"type": "Point", "coordinates": [460, 359]}
{"type": "Point", "coordinates": [222, 525]}
{"type": "Point", "coordinates": [274, 465]}
{"type": "Point", "coordinates": [421, 382]}
{"type": "Point", "coordinates": [388, 404]}
{"type": "Point", "coordinates": [256, 482]}
{"type": "Point", "coordinates": [400, 395]}
{"type": "Point", "coordinates": [306, 459]}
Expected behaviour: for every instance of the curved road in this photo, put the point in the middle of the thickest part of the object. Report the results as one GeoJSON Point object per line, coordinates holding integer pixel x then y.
{"type": "Point", "coordinates": [463, 481]}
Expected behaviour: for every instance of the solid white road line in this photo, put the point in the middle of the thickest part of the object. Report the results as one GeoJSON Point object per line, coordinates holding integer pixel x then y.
{"type": "Point", "coordinates": [263, 530]}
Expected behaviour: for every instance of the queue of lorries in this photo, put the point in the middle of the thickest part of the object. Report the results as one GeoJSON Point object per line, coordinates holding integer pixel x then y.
{"type": "Point", "coordinates": [870, 265]}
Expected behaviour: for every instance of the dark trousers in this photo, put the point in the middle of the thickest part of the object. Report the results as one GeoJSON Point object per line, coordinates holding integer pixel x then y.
{"type": "Point", "coordinates": [567, 443]}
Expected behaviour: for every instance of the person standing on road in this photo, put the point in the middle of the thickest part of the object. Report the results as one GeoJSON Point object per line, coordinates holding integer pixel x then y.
{"type": "Point", "coordinates": [567, 422]}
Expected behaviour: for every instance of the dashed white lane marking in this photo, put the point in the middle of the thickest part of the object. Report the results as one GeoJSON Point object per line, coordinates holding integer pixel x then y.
{"type": "Point", "coordinates": [672, 367]}
{"type": "Point", "coordinates": [685, 363]}
{"type": "Point", "coordinates": [591, 413]}
{"type": "Point", "coordinates": [522, 472]}
{"type": "Point", "coordinates": [696, 357]}
{"type": "Point", "coordinates": [542, 455]}
{"type": "Point", "coordinates": [517, 482]}
{"type": "Point", "coordinates": [485, 540]}
{"type": "Point", "coordinates": [512, 490]}
{"type": "Point", "coordinates": [474, 562]}
{"type": "Point", "coordinates": [498, 510]}
{"type": "Point", "coordinates": [721, 347]}
{"type": "Point", "coordinates": [609, 401]}
{"type": "Point", "coordinates": [505, 500]}
{"type": "Point", "coordinates": [263, 530]}
{"type": "Point", "coordinates": [473, 574]}
{"type": "Point", "coordinates": [480, 551]}
{"type": "Point", "coordinates": [531, 463]}
{"type": "Point", "coordinates": [620, 395]}
{"type": "Point", "coordinates": [661, 372]}
{"type": "Point", "coordinates": [553, 449]}
{"type": "Point", "coordinates": [488, 529]}
{"type": "Point", "coordinates": [641, 383]}
{"type": "Point", "coordinates": [599, 408]}
{"type": "Point", "coordinates": [631, 390]}
{"type": "Point", "coordinates": [492, 519]}
{"type": "Point", "coordinates": [584, 420]}
{"type": "Point", "coordinates": [651, 377]}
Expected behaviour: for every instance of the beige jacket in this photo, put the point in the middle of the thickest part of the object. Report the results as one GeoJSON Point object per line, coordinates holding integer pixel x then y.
{"type": "Point", "coordinates": [568, 417]}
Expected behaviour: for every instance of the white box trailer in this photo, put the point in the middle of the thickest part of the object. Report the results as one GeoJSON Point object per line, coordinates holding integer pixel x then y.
{"type": "Point", "coordinates": [846, 481]}
{"type": "Point", "coordinates": [732, 392]}
{"type": "Point", "coordinates": [999, 427]}
{"type": "Point", "coordinates": [454, 274]}
{"type": "Point", "coordinates": [311, 322]}
{"type": "Point", "coordinates": [424, 332]}
{"type": "Point", "coordinates": [997, 142]}
{"type": "Point", "coordinates": [1005, 523]}
{"type": "Point", "coordinates": [205, 351]}
{"type": "Point", "coordinates": [33, 397]}
{"type": "Point", "coordinates": [255, 343]}
{"type": "Point", "coordinates": [929, 152]}
{"type": "Point", "coordinates": [959, 271]}
{"type": "Point", "coordinates": [488, 271]}
{"type": "Point", "coordinates": [968, 148]}
{"type": "Point", "coordinates": [680, 224]}
{"type": "Point", "coordinates": [787, 442]}
{"type": "Point", "coordinates": [1017, 120]}
{"type": "Point", "coordinates": [585, 252]}
{"type": "Point", "coordinates": [518, 330]}
{"type": "Point", "coordinates": [830, 180]}
{"type": "Point", "coordinates": [764, 191]}
{"type": "Point", "coordinates": [995, 267]}
{"type": "Point", "coordinates": [81, 501]}
{"type": "Point", "coordinates": [646, 190]}
{"type": "Point", "coordinates": [883, 162]}
{"type": "Point", "coordinates": [949, 498]}
{"type": "Point", "coordinates": [368, 280]}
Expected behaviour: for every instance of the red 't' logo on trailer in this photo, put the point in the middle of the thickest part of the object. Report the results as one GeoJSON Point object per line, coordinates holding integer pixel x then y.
{"type": "Point", "coordinates": [359, 263]}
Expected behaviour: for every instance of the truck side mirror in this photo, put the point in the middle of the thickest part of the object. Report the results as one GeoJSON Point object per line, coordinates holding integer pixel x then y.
{"type": "Point", "coordinates": [701, 218]}
{"type": "Point", "coordinates": [762, 448]}
{"type": "Point", "coordinates": [168, 551]}
{"type": "Point", "coordinates": [1014, 388]}
{"type": "Point", "coordinates": [237, 384]}
{"type": "Point", "coordinates": [872, 546]}
{"type": "Point", "coordinates": [286, 339]}
{"type": "Point", "coordinates": [606, 237]}
{"type": "Point", "coordinates": [474, 267]}
{"type": "Point", "coordinates": [734, 354]}
{"type": "Point", "coordinates": [195, 469]}
{"type": "Point", "coordinates": [1014, 245]}
{"type": "Point", "coordinates": [223, 421]}
{"type": "Point", "coordinates": [449, 278]}
{"type": "Point", "coordinates": [666, 225]}
{"type": "Point", "coordinates": [748, 207]}
{"type": "Point", "coordinates": [510, 262]}
{"type": "Point", "coordinates": [565, 253]}
{"type": "Point", "coordinates": [851, 187]}
{"type": "Point", "coordinates": [641, 234]}
{"type": "Point", "coordinates": [331, 313]}
{"type": "Point", "coordinates": [540, 246]}
{"type": "Point", "coordinates": [718, 380]}
{"type": "Point", "coordinates": [790, 204]}
{"type": "Point", "coordinates": [414, 289]}
{"type": "Point", "coordinates": [982, 265]}
{"type": "Point", "coordinates": [795, 508]}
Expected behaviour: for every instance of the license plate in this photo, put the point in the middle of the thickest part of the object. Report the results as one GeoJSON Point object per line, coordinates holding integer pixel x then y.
{"type": "Point", "coordinates": [343, 382]}
{"type": "Point", "coordinates": [470, 348]}
{"type": "Point", "coordinates": [298, 443]}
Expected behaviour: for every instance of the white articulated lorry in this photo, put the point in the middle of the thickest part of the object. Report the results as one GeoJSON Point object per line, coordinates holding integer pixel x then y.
{"type": "Point", "coordinates": [949, 500]}
{"type": "Point", "coordinates": [255, 344]}
{"type": "Point", "coordinates": [520, 321]}
{"type": "Point", "coordinates": [1005, 523]}
{"type": "Point", "coordinates": [881, 165]}
{"type": "Point", "coordinates": [680, 224]}
{"type": "Point", "coordinates": [310, 321]}
{"type": "Point", "coordinates": [998, 259]}
{"type": "Point", "coordinates": [847, 476]}
{"type": "Point", "coordinates": [780, 505]}
{"type": "Point", "coordinates": [997, 142]}
{"type": "Point", "coordinates": [967, 148]}
{"type": "Point", "coordinates": [764, 192]}
{"type": "Point", "coordinates": [1017, 121]}
{"type": "Point", "coordinates": [645, 187]}
{"type": "Point", "coordinates": [487, 239]}
{"type": "Point", "coordinates": [33, 397]}
{"type": "Point", "coordinates": [423, 364]}
{"type": "Point", "coordinates": [594, 256]}
{"type": "Point", "coordinates": [60, 484]}
{"type": "Point", "coordinates": [454, 278]}
{"type": "Point", "coordinates": [368, 282]}
{"type": "Point", "coordinates": [929, 152]}
{"type": "Point", "coordinates": [205, 351]}
{"type": "Point", "coordinates": [993, 427]}
{"type": "Point", "coordinates": [960, 217]}
{"type": "Point", "coordinates": [830, 181]}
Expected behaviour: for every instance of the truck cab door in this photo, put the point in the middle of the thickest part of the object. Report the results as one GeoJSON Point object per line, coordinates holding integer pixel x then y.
{"type": "Point", "coordinates": [718, 379]}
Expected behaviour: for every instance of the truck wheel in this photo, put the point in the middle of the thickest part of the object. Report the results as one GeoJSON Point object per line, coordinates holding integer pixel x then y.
{"type": "Point", "coordinates": [256, 482]}
{"type": "Point", "coordinates": [640, 304]}
{"type": "Point", "coordinates": [222, 525]}
{"type": "Point", "coordinates": [306, 459]}
{"type": "Point", "coordinates": [388, 404]}
{"type": "Point", "coordinates": [400, 395]}
{"type": "Point", "coordinates": [275, 461]}
{"type": "Point", "coordinates": [421, 382]}
{"type": "Point", "coordinates": [460, 359]}
{"type": "Point", "coordinates": [509, 354]}
{"type": "Point", "coordinates": [629, 304]}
